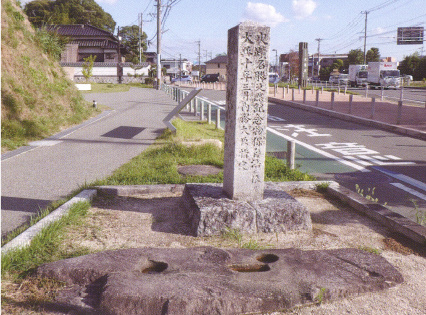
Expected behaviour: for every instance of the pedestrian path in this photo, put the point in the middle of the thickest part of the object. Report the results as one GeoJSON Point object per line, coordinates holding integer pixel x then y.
{"type": "Point", "coordinates": [49, 170]}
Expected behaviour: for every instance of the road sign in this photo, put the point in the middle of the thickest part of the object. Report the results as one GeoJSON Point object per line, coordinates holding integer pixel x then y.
{"type": "Point", "coordinates": [410, 35]}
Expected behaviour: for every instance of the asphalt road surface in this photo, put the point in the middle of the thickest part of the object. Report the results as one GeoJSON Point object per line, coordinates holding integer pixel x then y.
{"type": "Point", "coordinates": [388, 167]}
{"type": "Point", "coordinates": [49, 170]}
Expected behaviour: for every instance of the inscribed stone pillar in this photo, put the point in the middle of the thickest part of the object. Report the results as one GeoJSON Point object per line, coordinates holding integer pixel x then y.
{"type": "Point", "coordinates": [246, 113]}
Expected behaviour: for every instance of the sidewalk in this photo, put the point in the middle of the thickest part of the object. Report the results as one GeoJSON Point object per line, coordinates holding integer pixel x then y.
{"type": "Point", "coordinates": [411, 122]}
{"type": "Point", "coordinates": [49, 170]}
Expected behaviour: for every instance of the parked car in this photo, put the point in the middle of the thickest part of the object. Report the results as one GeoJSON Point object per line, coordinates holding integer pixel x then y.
{"type": "Point", "coordinates": [211, 77]}
{"type": "Point", "coordinates": [273, 78]}
{"type": "Point", "coordinates": [183, 78]}
{"type": "Point", "coordinates": [334, 79]}
{"type": "Point", "coordinates": [343, 79]}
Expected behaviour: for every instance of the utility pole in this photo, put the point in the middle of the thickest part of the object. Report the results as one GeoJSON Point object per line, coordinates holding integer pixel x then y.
{"type": "Point", "coordinates": [365, 36]}
{"type": "Point", "coordinates": [140, 17]}
{"type": "Point", "coordinates": [158, 44]}
{"type": "Point", "coordinates": [199, 59]}
{"type": "Point", "coordinates": [180, 65]}
{"type": "Point", "coordinates": [318, 68]}
{"type": "Point", "coordinates": [119, 65]}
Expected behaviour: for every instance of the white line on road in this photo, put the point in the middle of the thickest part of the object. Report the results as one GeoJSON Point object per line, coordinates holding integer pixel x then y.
{"type": "Point", "coordinates": [409, 190]}
{"type": "Point", "coordinates": [403, 178]}
{"type": "Point", "coordinates": [358, 160]}
{"type": "Point", "coordinates": [326, 154]}
{"type": "Point", "coordinates": [373, 160]}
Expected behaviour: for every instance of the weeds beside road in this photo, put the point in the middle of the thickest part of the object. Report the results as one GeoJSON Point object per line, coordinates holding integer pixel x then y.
{"type": "Point", "coordinates": [157, 165]}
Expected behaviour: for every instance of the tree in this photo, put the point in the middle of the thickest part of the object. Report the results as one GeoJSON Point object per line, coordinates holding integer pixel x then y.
{"type": "Point", "coordinates": [337, 64]}
{"type": "Point", "coordinates": [409, 64]}
{"type": "Point", "coordinates": [414, 65]}
{"type": "Point", "coordinates": [88, 67]}
{"type": "Point", "coordinates": [130, 38]}
{"type": "Point", "coordinates": [355, 57]}
{"type": "Point", "coordinates": [373, 55]}
{"type": "Point", "coordinates": [293, 63]}
{"type": "Point", "coordinates": [46, 12]}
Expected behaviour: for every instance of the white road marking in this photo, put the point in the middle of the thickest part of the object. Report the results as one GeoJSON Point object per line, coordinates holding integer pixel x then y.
{"type": "Point", "coordinates": [44, 143]}
{"type": "Point", "coordinates": [403, 178]}
{"type": "Point", "coordinates": [326, 154]}
{"type": "Point", "coordinates": [409, 190]}
{"type": "Point", "coordinates": [373, 160]}
{"type": "Point", "coordinates": [355, 159]}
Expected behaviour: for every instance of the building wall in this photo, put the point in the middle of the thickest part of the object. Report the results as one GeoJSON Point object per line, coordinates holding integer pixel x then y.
{"type": "Point", "coordinates": [70, 53]}
{"type": "Point", "coordinates": [213, 68]}
{"type": "Point", "coordinates": [111, 71]}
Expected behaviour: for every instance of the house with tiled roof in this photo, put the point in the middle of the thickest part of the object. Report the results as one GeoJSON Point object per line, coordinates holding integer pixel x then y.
{"type": "Point", "coordinates": [86, 40]}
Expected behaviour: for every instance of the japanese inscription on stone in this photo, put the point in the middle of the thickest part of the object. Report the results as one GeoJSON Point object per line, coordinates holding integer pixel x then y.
{"type": "Point", "coordinates": [246, 114]}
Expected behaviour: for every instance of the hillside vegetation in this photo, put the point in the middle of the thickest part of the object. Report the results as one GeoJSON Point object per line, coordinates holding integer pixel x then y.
{"type": "Point", "coordinates": [37, 99]}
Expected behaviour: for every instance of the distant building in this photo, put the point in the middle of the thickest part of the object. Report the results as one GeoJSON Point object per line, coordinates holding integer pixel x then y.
{"type": "Point", "coordinates": [176, 67]}
{"type": "Point", "coordinates": [217, 65]}
{"type": "Point", "coordinates": [86, 40]}
{"type": "Point", "coordinates": [151, 57]}
{"type": "Point", "coordinates": [288, 65]}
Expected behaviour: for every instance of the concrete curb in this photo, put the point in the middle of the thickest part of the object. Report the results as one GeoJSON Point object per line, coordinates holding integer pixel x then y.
{"type": "Point", "coordinates": [392, 220]}
{"type": "Point", "coordinates": [25, 238]}
{"type": "Point", "coordinates": [139, 189]}
{"type": "Point", "coordinates": [402, 130]}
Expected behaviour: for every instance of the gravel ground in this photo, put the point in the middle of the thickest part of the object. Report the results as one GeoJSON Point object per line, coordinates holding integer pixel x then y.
{"type": "Point", "coordinates": [157, 221]}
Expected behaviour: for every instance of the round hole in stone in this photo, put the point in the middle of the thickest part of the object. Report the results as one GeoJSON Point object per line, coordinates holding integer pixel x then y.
{"type": "Point", "coordinates": [267, 258]}
{"type": "Point", "coordinates": [250, 268]}
{"type": "Point", "coordinates": [155, 267]}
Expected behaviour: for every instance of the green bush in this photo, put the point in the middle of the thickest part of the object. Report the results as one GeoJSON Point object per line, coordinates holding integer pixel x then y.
{"type": "Point", "coordinates": [52, 43]}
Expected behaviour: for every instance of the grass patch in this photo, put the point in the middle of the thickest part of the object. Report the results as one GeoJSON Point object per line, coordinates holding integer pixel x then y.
{"type": "Point", "coordinates": [370, 250]}
{"type": "Point", "coordinates": [159, 163]}
{"type": "Point", "coordinates": [45, 246]}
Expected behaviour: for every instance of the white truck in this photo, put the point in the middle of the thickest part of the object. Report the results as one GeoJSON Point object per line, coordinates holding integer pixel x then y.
{"type": "Point", "coordinates": [358, 75]}
{"type": "Point", "coordinates": [383, 74]}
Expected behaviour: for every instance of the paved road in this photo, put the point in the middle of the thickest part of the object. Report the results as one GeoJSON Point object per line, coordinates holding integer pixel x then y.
{"type": "Point", "coordinates": [350, 153]}
{"type": "Point", "coordinates": [49, 170]}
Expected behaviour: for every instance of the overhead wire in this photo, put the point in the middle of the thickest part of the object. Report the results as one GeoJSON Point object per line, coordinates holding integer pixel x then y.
{"type": "Point", "coordinates": [351, 26]}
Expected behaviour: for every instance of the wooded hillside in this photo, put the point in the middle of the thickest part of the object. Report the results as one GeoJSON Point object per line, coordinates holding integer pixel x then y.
{"type": "Point", "coordinates": [37, 99]}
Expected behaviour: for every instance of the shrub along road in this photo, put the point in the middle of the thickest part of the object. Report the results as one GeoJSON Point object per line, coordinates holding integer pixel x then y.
{"type": "Point", "coordinates": [50, 170]}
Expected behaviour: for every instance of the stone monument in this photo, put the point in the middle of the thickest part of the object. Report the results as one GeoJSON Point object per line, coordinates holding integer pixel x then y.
{"type": "Point", "coordinates": [244, 201]}
{"type": "Point", "coordinates": [246, 112]}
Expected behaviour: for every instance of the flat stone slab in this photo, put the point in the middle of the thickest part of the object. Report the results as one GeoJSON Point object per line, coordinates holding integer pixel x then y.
{"type": "Point", "coordinates": [210, 211]}
{"type": "Point", "coordinates": [208, 280]}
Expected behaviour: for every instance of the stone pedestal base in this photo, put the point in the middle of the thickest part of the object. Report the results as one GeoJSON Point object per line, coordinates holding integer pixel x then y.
{"type": "Point", "coordinates": [210, 212]}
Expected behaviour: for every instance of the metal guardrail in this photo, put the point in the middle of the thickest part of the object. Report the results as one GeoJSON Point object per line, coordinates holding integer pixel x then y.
{"type": "Point", "coordinates": [198, 106]}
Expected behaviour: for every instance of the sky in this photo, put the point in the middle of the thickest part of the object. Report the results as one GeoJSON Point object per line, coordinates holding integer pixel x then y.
{"type": "Point", "coordinates": [339, 24]}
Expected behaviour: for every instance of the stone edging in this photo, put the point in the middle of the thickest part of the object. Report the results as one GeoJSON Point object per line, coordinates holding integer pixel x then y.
{"type": "Point", "coordinates": [377, 212]}
{"type": "Point", "coordinates": [25, 238]}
